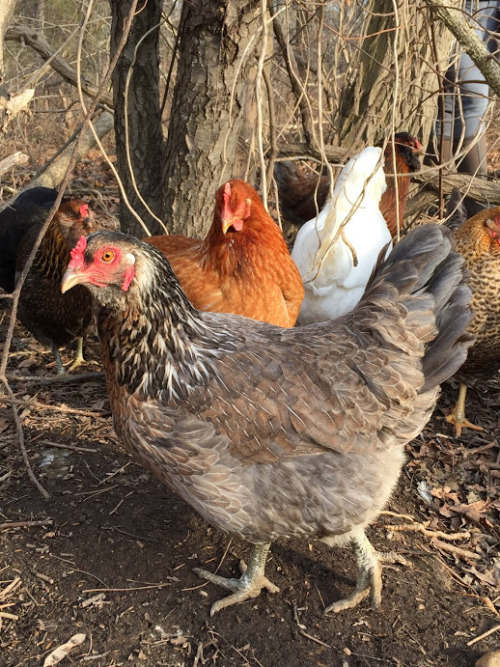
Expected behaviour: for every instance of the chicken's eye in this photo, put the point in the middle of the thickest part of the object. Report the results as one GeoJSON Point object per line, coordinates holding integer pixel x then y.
{"type": "Point", "coordinates": [108, 256]}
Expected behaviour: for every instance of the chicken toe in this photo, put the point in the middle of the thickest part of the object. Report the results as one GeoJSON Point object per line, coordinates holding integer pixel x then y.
{"type": "Point", "coordinates": [248, 586]}
{"type": "Point", "coordinates": [370, 574]}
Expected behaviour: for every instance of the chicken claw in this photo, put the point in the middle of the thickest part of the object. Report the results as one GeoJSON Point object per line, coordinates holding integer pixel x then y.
{"type": "Point", "coordinates": [248, 586]}
{"type": "Point", "coordinates": [370, 574]}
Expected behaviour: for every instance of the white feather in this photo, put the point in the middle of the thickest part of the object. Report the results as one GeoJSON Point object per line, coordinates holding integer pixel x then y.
{"type": "Point", "coordinates": [336, 252]}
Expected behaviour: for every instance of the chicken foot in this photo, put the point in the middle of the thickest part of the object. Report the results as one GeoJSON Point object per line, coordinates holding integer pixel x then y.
{"type": "Point", "coordinates": [370, 574]}
{"type": "Point", "coordinates": [457, 417]}
{"type": "Point", "coordinates": [248, 586]}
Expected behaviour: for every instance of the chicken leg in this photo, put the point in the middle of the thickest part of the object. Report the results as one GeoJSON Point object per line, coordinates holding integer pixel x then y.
{"type": "Point", "coordinates": [78, 360]}
{"type": "Point", "coordinates": [248, 586]}
{"type": "Point", "coordinates": [59, 363]}
{"type": "Point", "coordinates": [370, 574]}
{"type": "Point", "coordinates": [457, 417]}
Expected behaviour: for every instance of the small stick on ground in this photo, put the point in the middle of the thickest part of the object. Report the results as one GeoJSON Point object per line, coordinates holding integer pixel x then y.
{"type": "Point", "coordinates": [301, 629]}
{"type": "Point", "coordinates": [56, 379]}
{"type": "Point", "coordinates": [25, 524]}
{"type": "Point", "coordinates": [457, 551]}
{"type": "Point", "coordinates": [49, 443]}
{"type": "Point", "coordinates": [422, 528]}
{"type": "Point", "coordinates": [20, 434]}
{"type": "Point", "coordinates": [484, 635]}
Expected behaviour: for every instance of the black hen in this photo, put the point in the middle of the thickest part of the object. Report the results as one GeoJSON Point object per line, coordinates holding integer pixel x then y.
{"type": "Point", "coordinates": [53, 318]}
{"type": "Point", "coordinates": [273, 433]}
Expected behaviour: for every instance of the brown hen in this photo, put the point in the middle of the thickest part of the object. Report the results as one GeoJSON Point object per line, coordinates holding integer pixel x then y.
{"type": "Point", "coordinates": [53, 318]}
{"type": "Point", "coordinates": [478, 241]}
{"type": "Point", "coordinates": [276, 433]}
{"type": "Point", "coordinates": [301, 196]}
{"type": "Point", "coordinates": [243, 266]}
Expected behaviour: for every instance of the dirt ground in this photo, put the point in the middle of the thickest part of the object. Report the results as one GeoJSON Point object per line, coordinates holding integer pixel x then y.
{"type": "Point", "coordinates": [109, 556]}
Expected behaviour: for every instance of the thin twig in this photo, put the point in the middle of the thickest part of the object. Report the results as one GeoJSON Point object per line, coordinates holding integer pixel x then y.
{"type": "Point", "coordinates": [20, 434]}
{"type": "Point", "coordinates": [422, 528]}
{"type": "Point", "coordinates": [56, 379]}
{"type": "Point", "coordinates": [25, 524]}
{"type": "Point", "coordinates": [456, 551]}
{"type": "Point", "coordinates": [302, 631]}
{"type": "Point", "coordinates": [484, 635]}
{"type": "Point", "coordinates": [54, 408]}
{"type": "Point", "coordinates": [74, 448]}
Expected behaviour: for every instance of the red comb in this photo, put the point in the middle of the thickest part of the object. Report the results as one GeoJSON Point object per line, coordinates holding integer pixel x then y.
{"type": "Point", "coordinates": [226, 211]}
{"type": "Point", "coordinates": [227, 193]}
{"type": "Point", "coordinates": [84, 210]}
{"type": "Point", "coordinates": [77, 253]}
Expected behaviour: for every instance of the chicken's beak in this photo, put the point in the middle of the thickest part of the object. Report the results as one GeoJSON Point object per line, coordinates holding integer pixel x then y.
{"type": "Point", "coordinates": [419, 149]}
{"type": "Point", "coordinates": [70, 279]}
{"type": "Point", "coordinates": [233, 221]}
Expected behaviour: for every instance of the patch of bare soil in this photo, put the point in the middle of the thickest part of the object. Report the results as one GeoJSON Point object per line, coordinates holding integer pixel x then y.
{"type": "Point", "coordinates": [109, 556]}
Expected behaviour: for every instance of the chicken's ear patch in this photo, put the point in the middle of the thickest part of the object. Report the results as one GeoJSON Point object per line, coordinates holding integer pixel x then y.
{"type": "Point", "coordinates": [84, 210]}
{"type": "Point", "coordinates": [129, 261]}
{"type": "Point", "coordinates": [77, 253]}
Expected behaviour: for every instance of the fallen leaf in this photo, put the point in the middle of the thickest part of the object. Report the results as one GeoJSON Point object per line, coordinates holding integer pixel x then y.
{"type": "Point", "coordinates": [62, 651]}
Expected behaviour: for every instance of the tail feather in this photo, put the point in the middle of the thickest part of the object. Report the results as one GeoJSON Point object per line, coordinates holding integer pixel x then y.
{"type": "Point", "coordinates": [431, 279]}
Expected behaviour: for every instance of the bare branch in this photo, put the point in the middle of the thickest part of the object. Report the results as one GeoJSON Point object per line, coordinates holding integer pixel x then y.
{"type": "Point", "coordinates": [22, 34]}
{"type": "Point", "coordinates": [463, 31]}
{"type": "Point", "coordinates": [11, 161]}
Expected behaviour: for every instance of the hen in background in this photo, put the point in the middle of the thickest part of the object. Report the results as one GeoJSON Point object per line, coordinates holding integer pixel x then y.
{"type": "Point", "coordinates": [243, 266]}
{"type": "Point", "coordinates": [28, 209]}
{"type": "Point", "coordinates": [299, 201]}
{"type": "Point", "coordinates": [478, 241]}
{"type": "Point", "coordinates": [54, 319]}
{"type": "Point", "coordinates": [337, 251]}
{"type": "Point", "coordinates": [274, 433]}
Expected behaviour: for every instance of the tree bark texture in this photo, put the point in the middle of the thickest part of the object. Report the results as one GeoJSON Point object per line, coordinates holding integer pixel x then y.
{"type": "Point", "coordinates": [139, 154]}
{"type": "Point", "coordinates": [401, 57]}
{"type": "Point", "coordinates": [6, 10]}
{"type": "Point", "coordinates": [213, 108]}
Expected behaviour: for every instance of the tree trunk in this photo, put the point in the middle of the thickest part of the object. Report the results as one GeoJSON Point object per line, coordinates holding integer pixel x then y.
{"type": "Point", "coordinates": [213, 108]}
{"type": "Point", "coordinates": [422, 46]}
{"type": "Point", "coordinates": [139, 150]}
{"type": "Point", "coordinates": [6, 10]}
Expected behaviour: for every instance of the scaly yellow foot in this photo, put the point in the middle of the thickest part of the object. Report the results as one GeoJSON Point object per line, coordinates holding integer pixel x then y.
{"type": "Point", "coordinates": [248, 586]}
{"type": "Point", "coordinates": [370, 574]}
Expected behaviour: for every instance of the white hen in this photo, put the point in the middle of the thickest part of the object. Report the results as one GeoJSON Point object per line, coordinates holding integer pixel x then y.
{"type": "Point", "coordinates": [336, 252]}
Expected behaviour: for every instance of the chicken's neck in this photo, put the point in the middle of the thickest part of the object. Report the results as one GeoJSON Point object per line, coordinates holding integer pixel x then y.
{"type": "Point", "coordinates": [236, 253]}
{"type": "Point", "coordinates": [52, 257]}
{"type": "Point", "coordinates": [156, 343]}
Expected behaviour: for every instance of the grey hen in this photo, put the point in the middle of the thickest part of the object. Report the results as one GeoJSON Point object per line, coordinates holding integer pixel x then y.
{"type": "Point", "coordinates": [273, 433]}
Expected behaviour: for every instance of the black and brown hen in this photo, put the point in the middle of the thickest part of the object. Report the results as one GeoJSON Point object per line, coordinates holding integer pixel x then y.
{"type": "Point", "coordinates": [54, 319]}
{"type": "Point", "coordinates": [478, 241]}
{"type": "Point", "coordinates": [275, 433]}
